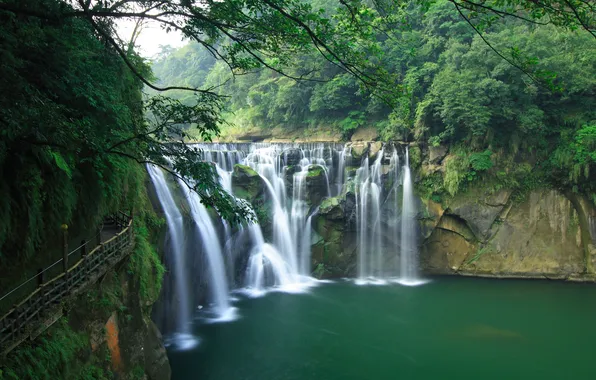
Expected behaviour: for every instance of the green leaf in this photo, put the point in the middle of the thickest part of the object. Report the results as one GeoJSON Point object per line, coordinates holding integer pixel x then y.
{"type": "Point", "coordinates": [61, 163]}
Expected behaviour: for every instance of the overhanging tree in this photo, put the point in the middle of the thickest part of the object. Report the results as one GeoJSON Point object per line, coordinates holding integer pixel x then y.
{"type": "Point", "coordinates": [249, 35]}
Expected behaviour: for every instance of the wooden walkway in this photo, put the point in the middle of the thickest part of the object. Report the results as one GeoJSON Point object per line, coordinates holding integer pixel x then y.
{"type": "Point", "coordinates": [42, 307]}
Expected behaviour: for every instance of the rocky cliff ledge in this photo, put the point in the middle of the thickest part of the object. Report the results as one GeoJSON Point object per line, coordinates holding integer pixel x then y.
{"type": "Point", "coordinates": [485, 234]}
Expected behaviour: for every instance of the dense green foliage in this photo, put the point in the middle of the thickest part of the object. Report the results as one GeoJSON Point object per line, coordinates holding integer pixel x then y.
{"type": "Point", "coordinates": [55, 356]}
{"type": "Point", "coordinates": [64, 94]}
{"type": "Point", "coordinates": [535, 102]}
{"type": "Point", "coordinates": [513, 99]}
{"type": "Point", "coordinates": [63, 351]}
{"type": "Point", "coordinates": [72, 113]}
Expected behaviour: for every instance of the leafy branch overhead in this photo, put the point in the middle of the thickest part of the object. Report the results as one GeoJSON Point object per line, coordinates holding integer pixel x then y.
{"type": "Point", "coordinates": [245, 35]}
{"type": "Point", "coordinates": [89, 111]}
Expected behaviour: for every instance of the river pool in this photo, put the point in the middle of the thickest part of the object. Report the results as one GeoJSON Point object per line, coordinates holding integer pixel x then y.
{"type": "Point", "coordinates": [450, 328]}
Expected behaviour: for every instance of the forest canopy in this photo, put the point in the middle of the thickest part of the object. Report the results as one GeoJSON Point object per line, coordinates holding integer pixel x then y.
{"type": "Point", "coordinates": [520, 85]}
{"type": "Point", "coordinates": [512, 76]}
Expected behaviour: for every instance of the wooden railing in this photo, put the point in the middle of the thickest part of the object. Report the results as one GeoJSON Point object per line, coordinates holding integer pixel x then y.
{"type": "Point", "coordinates": [30, 317]}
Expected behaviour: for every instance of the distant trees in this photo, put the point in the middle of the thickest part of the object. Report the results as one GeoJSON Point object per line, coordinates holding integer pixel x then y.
{"type": "Point", "coordinates": [454, 87]}
{"type": "Point", "coordinates": [243, 35]}
{"type": "Point", "coordinates": [435, 70]}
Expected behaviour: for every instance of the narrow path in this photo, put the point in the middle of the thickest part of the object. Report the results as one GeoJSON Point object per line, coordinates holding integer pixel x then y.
{"type": "Point", "coordinates": [43, 306]}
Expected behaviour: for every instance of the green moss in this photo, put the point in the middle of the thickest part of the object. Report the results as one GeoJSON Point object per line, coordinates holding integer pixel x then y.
{"type": "Point", "coordinates": [263, 212]}
{"type": "Point", "coordinates": [247, 184]}
{"type": "Point", "coordinates": [319, 271]}
{"type": "Point", "coordinates": [52, 356]}
{"type": "Point", "coordinates": [456, 171]}
{"type": "Point", "coordinates": [246, 170]}
{"type": "Point", "coordinates": [146, 264]}
{"type": "Point", "coordinates": [327, 204]}
{"type": "Point", "coordinates": [315, 171]}
{"type": "Point", "coordinates": [415, 155]}
{"type": "Point", "coordinates": [137, 373]}
{"type": "Point", "coordinates": [431, 187]}
{"type": "Point", "coordinates": [64, 350]}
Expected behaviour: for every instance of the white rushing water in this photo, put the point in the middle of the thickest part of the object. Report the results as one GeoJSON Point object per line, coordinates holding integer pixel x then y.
{"type": "Point", "coordinates": [218, 283]}
{"type": "Point", "coordinates": [368, 219]}
{"type": "Point", "coordinates": [292, 224]}
{"type": "Point", "coordinates": [175, 232]}
{"type": "Point", "coordinates": [409, 252]}
{"type": "Point", "coordinates": [296, 177]}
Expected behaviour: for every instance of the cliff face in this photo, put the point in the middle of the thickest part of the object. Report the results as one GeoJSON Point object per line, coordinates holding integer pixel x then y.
{"type": "Point", "coordinates": [485, 230]}
{"type": "Point", "coordinates": [480, 231]}
{"type": "Point", "coordinates": [489, 234]}
{"type": "Point", "coordinates": [104, 333]}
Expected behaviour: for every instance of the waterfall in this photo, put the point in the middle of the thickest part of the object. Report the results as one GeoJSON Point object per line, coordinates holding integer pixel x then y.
{"type": "Point", "coordinates": [175, 233]}
{"type": "Point", "coordinates": [265, 261]}
{"type": "Point", "coordinates": [292, 226]}
{"type": "Point", "coordinates": [409, 252]}
{"type": "Point", "coordinates": [368, 217]}
{"type": "Point", "coordinates": [218, 283]}
{"type": "Point", "coordinates": [295, 178]}
{"type": "Point", "coordinates": [394, 163]}
{"type": "Point", "coordinates": [344, 159]}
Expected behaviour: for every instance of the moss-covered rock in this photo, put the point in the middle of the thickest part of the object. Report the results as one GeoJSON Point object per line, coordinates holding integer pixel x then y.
{"type": "Point", "coordinates": [479, 210]}
{"type": "Point", "coordinates": [334, 252]}
{"type": "Point", "coordinates": [415, 156]}
{"type": "Point", "coordinates": [437, 153]}
{"type": "Point", "coordinates": [429, 216]}
{"type": "Point", "coordinates": [490, 236]}
{"type": "Point", "coordinates": [374, 149]}
{"type": "Point", "coordinates": [332, 209]}
{"type": "Point", "coordinates": [351, 171]}
{"type": "Point", "coordinates": [359, 150]}
{"type": "Point", "coordinates": [291, 156]}
{"type": "Point", "coordinates": [247, 183]}
{"type": "Point", "coordinates": [365, 134]}
{"type": "Point", "coordinates": [315, 171]}
{"type": "Point", "coordinates": [316, 185]}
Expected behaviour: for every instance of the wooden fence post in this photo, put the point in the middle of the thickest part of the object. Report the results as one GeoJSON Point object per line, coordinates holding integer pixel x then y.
{"type": "Point", "coordinates": [40, 277]}
{"type": "Point", "coordinates": [42, 290]}
{"type": "Point", "coordinates": [65, 250]}
{"type": "Point", "coordinates": [83, 249]}
{"type": "Point", "coordinates": [98, 236]}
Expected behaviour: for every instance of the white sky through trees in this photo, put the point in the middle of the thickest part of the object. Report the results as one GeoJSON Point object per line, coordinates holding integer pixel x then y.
{"type": "Point", "coordinates": [151, 37]}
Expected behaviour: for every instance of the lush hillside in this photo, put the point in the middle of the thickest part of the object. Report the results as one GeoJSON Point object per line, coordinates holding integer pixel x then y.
{"type": "Point", "coordinates": [66, 97]}
{"type": "Point", "coordinates": [517, 92]}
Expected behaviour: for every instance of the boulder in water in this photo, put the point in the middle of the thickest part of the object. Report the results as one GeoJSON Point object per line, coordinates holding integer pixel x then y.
{"type": "Point", "coordinates": [359, 149]}
{"type": "Point", "coordinates": [332, 209]}
{"type": "Point", "coordinates": [375, 148]}
{"type": "Point", "coordinates": [333, 255]}
{"type": "Point", "coordinates": [437, 153]}
{"type": "Point", "coordinates": [291, 156]}
{"type": "Point", "coordinates": [316, 184]}
{"type": "Point", "coordinates": [246, 183]}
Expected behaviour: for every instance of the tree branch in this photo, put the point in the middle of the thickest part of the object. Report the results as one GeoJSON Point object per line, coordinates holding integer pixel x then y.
{"type": "Point", "coordinates": [580, 19]}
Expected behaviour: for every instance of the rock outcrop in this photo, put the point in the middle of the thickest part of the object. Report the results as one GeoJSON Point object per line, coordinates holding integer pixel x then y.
{"type": "Point", "coordinates": [490, 235]}
{"type": "Point", "coordinates": [333, 250]}
{"type": "Point", "coordinates": [317, 185]}
{"type": "Point", "coordinates": [246, 183]}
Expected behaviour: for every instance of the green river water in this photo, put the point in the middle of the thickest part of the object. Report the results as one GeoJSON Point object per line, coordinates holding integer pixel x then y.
{"type": "Point", "coordinates": [450, 328]}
